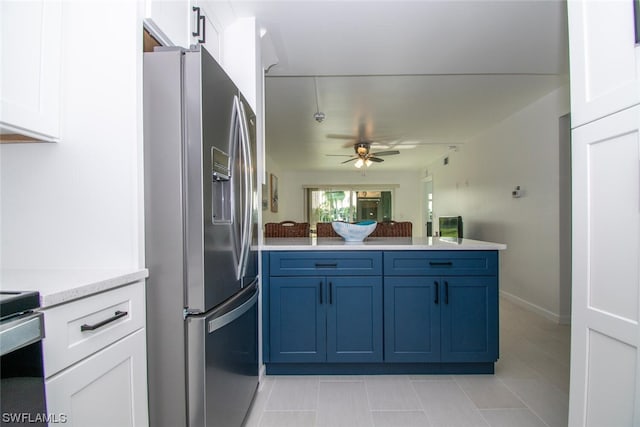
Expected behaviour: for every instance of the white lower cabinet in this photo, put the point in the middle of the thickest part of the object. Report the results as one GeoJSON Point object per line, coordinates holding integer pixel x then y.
{"type": "Point", "coordinates": [102, 381]}
{"type": "Point", "coordinates": [107, 389]}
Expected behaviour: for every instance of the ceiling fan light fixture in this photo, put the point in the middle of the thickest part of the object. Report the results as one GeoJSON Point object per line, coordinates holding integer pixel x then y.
{"type": "Point", "coordinates": [367, 162]}
{"type": "Point", "coordinates": [359, 163]}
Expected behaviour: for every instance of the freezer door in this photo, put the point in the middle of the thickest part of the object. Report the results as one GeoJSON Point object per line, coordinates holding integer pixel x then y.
{"type": "Point", "coordinates": [223, 362]}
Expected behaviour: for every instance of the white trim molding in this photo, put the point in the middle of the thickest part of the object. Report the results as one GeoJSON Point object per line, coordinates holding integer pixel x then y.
{"type": "Point", "coordinates": [562, 319]}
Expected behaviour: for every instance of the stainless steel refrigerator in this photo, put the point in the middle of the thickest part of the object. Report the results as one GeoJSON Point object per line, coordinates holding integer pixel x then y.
{"type": "Point", "coordinates": [200, 242]}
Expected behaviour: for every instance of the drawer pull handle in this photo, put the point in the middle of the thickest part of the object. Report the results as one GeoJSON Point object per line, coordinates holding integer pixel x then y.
{"type": "Point", "coordinates": [440, 263]}
{"type": "Point", "coordinates": [436, 286]}
{"type": "Point", "coordinates": [321, 291]}
{"type": "Point", "coordinates": [330, 265]}
{"type": "Point", "coordinates": [117, 315]}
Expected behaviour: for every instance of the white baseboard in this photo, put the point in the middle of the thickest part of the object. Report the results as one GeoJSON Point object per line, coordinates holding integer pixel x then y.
{"type": "Point", "coordinates": [554, 317]}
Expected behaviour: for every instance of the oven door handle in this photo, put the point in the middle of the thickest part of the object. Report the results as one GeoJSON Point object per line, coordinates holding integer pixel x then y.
{"type": "Point", "coordinates": [21, 332]}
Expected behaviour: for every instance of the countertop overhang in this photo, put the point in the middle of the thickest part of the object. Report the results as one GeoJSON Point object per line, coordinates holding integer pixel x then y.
{"type": "Point", "coordinates": [379, 243]}
{"type": "Point", "coordinates": [61, 286]}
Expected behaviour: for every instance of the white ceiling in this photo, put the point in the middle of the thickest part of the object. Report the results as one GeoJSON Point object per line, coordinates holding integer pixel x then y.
{"type": "Point", "coordinates": [432, 72]}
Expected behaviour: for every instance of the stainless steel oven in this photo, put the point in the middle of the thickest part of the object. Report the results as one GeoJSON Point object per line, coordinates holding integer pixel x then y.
{"type": "Point", "coordinates": [22, 390]}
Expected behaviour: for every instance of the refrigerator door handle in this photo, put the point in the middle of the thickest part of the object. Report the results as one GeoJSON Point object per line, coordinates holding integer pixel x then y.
{"type": "Point", "coordinates": [247, 230]}
{"type": "Point", "coordinates": [238, 153]}
{"type": "Point", "coordinates": [222, 321]}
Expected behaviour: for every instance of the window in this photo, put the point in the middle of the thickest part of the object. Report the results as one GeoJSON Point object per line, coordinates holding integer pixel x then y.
{"type": "Point", "coordinates": [348, 204]}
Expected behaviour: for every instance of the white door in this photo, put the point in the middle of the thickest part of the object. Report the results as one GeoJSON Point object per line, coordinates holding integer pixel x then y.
{"type": "Point", "coordinates": [605, 362]}
{"type": "Point", "coordinates": [604, 58]}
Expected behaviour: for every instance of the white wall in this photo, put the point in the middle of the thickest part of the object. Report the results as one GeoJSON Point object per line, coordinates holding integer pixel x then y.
{"type": "Point", "coordinates": [406, 200]}
{"type": "Point", "coordinates": [77, 203]}
{"type": "Point", "coordinates": [477, 184]}
{"type": "Point", "coordinates": [272, 167]}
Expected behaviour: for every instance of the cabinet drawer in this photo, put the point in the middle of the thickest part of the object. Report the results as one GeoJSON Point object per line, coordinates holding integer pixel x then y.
{"type": "Point", "coordinates": [319, 263]}
{"type": "Point", "coordinates": [68, 335]}
{"type": "Point", "coordinates": [440, 263]}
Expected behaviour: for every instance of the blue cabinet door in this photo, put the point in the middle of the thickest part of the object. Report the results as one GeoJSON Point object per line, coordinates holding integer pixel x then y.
{"type": "Point", "coordinates": [411, 319]}
{"type": "Point", "coordinates": [469, 316]}
{"type": "Point", "coordinates": [354, 319]}
{"type": "Point", "coordinates": [297, 319]}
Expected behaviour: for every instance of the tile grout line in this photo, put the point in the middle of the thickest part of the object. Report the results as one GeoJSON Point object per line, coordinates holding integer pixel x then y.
{"type": "Point", "coordinates": [424, 410]}
{"type": "Point", "coordinates": [455, 381]}
{"type": "Point", "coordinates": [525, 403]}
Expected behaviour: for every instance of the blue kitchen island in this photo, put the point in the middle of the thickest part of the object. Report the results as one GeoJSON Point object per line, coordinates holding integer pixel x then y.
{"type": "Point", "coordinates": [382, 306]}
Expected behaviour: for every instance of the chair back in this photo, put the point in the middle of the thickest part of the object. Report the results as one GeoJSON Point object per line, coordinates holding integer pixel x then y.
{"type": "Point", "coordinates": [325, 229]}
{"type": "Point", "coordinates": [286, 229]}
{"type": "Point", "coordinates": [393, 229]}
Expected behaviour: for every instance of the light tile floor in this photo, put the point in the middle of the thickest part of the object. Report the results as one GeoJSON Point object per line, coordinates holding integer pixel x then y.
{"type": "Point", "coordinates": [529, 389]}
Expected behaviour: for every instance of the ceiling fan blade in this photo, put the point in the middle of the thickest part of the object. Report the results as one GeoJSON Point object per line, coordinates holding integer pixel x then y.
{"type": "Point", "coordinates": [350, 160]}
{"type": "Point", "coordinates": [341, 136]}
{"type": "Point", "coordinates": [375, 159]}
{"type": "Point", "coordinates": [386, 153]}
{"type": "Point", "coordinates": [340, 155]}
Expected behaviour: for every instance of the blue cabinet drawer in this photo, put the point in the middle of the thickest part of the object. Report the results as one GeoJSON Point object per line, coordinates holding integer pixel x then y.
{"type": "Point", "coordinates": [333, 263]}
{"type": "Point", "coordinates": [440, 263]}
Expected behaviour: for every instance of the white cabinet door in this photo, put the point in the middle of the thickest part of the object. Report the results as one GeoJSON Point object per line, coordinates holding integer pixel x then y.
{"type": "Point", "coordinates": [604, 59]}
{"type": "Point", "coordinates": [208, 29]}
{"type": "Point", "coordinates": [30, 68]}
{"type": "Point", "coordinates": [169, 21]}
{"type": "Point", "coordinates": [240, 57]}
{"type": "Point", "coordinates": [107, 389]}
{"type": "Point", "coordinates": [605, 333]}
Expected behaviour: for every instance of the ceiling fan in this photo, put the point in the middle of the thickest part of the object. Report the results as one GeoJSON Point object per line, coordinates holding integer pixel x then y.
{"type": "Point", "coordinates": [364, 156]}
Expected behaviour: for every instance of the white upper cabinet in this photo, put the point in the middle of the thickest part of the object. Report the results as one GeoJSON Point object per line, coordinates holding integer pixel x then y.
{"type": "Point", "coordinates": [169, 21]}
{"type": "Point", "coordinates": [241, 57]}
{"type": "Point", "coordinates": [185, 23]}
{"type": "Point", "coordinates": [30, 68]}
{"type": "Point", "coordinates": [604, 58]}
{"type": "Point", "coordinates": [206, 29]}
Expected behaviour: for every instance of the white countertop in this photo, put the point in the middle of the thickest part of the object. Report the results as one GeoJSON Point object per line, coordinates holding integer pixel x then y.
{"type": "Point", "coordinates": [378, 243]}
{"type": "Point", "coordinates": [61, 286]}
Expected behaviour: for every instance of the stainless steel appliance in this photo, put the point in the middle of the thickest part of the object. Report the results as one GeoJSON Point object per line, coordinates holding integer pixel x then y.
{"type": "Point", "coordinates": [22, 390]}
{"type": "Point", "coordinates": [201, 242]}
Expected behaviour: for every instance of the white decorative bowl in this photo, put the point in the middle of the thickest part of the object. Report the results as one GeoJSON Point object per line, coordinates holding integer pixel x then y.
{"type": "Point", "coordinates": [354, 232]}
